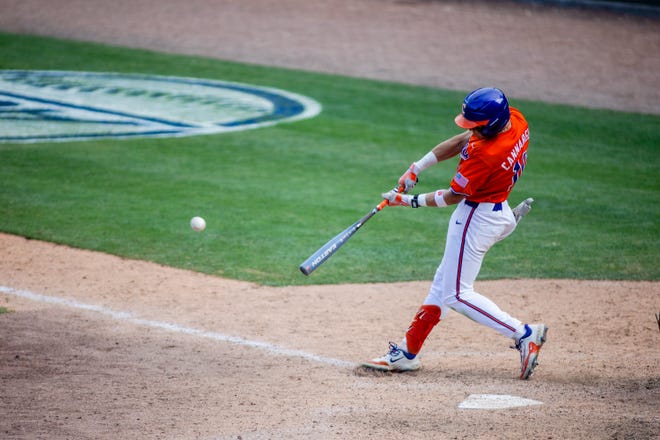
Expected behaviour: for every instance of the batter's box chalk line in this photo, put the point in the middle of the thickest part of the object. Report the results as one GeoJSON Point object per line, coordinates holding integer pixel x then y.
{"type": "Point", "coordinates": [131, 318]}
{"type": "Point", "coordinates": [474, 401]}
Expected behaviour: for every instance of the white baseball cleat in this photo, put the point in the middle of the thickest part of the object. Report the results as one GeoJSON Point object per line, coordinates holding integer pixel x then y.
{"type": "Point", "coordinates": [523, 208]}
{"type": "Point", "coordinates": [395, 360]}
{"type": "Point", "coordinates": [529, 347]}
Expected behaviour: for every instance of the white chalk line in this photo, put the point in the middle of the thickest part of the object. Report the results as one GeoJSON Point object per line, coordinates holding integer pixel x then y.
{"type": "Point", "coordinates": [161, 325]}
{"type": "Point", "coordinates": [472, 402]}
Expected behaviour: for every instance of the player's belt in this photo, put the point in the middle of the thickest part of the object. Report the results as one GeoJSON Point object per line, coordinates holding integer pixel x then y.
{"type": "Point", "coordinates": [496, 206]}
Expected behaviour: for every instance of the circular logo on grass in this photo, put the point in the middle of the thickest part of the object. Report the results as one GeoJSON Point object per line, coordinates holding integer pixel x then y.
{"type": "Point", "coordinates": [40, 106]}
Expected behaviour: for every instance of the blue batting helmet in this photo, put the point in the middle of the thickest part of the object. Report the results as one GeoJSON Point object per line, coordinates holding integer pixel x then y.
{"type": "Point", "coordinates": [486, 108]}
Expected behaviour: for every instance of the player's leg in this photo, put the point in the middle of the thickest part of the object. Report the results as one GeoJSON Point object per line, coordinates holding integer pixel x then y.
{"type": "Point", "coordinates": [464, 252]}
{"type": "Point", "coordinates": [474, 231]}
{"type": "Point", "coordinates": [465, 262]}
{"type": "Point", "coordinates": [403, 356]}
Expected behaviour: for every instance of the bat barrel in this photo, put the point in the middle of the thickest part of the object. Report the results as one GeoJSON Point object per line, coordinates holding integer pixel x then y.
{"type": "Point", "coordinates": [306, 269]}
{"type": "Point", "coordinates": [332, 246]}
{"type": "Point", "coordinates": [328, 249]}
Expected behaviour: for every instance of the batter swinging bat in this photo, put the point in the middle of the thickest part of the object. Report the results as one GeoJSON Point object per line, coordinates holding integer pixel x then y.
{"type": "Point", "coordinates": [328, 249]}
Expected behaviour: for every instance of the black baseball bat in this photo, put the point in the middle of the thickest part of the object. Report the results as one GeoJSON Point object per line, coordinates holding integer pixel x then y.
{"type": "Point", "coordinates": [327, 250]}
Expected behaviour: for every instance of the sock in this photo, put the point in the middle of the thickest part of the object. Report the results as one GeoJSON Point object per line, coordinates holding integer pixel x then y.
{"type": "Point", "coordinates": [426, 318]}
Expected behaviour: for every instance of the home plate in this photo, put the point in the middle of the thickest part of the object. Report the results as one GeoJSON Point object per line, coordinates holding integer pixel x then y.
{"type": "Point", "coordinates": [495, 401]}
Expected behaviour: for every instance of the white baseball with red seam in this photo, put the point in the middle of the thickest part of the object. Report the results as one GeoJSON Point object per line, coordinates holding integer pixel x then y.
{"type": "Point", "coordinates": [198, 224]}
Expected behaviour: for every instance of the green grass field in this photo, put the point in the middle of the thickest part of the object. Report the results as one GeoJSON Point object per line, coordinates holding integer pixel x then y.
{"type": "Point", "coordinates": [272, 196]}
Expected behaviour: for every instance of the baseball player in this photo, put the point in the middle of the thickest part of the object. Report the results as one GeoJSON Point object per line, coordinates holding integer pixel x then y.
{"type": "Point", "coordinates": [493, 155]}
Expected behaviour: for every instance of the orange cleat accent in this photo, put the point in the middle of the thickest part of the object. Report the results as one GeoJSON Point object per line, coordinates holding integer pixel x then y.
{"type": "Point", "coordinates": [529, 347]}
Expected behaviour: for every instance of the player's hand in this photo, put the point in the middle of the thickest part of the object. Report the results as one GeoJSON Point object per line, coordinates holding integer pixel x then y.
{"type": "Point", "coordinates": [409, 179]}
{"type": "Point", "coordinates": [396, 199]}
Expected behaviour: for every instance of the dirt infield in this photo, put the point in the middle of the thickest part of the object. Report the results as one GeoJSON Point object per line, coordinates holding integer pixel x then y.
{"type": "Point", "coordinates": [71, 371]}
{"type": "Point", "coordinates": [99, 347]}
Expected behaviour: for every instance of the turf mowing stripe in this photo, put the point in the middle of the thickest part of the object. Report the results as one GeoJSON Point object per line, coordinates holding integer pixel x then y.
{"type": "Point", "coordinates": [131, 318]}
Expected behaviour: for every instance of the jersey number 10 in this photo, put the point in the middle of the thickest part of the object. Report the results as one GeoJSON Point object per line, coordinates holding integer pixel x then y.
{"type": "Point", "coordinates": [518, 168]}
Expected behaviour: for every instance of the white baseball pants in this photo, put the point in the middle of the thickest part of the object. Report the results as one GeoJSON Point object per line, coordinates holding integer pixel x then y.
{"type": "Point", "coordinates": [473, 230]}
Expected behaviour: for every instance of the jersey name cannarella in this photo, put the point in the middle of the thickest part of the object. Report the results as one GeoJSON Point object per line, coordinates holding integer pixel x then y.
{"type": "Point", "coordinates": [513, 155]}
{"type": "Point", "coordinates": [489, 168]}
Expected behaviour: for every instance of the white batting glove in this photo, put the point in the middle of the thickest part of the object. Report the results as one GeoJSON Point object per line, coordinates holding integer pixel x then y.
{"type": "Point", "coordinates": [523, 208]}
{"type": "Point", "coordinates": [396, 199]}
{"type": "Point", "coordinates": [408, 180]}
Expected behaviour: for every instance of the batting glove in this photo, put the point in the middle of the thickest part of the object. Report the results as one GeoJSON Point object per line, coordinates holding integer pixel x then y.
{"type": "Point", "coordinates": [396, 199]}
{"type": "Point", "coordinates": [409, 179]}
{"type": "Point", "coordinates": [523, 208]}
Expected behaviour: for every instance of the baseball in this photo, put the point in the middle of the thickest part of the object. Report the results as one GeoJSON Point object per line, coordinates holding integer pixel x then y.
{"type": "Point", "coordinates": [198, 224]}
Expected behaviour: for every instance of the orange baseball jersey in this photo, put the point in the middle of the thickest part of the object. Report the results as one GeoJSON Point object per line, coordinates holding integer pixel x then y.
{"type": "Point", "coordinates": [489, 168]}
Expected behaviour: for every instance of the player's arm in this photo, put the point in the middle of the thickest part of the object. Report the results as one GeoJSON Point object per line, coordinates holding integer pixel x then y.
{"type": "Point", "coordinates": [443, 151]}
{"type": "Point", "coordinates": [451, 147]}
{"type": "Point", "coordinates": [439, 198]}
